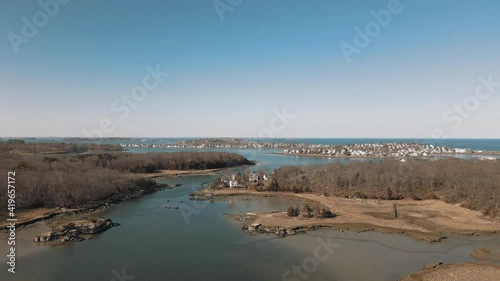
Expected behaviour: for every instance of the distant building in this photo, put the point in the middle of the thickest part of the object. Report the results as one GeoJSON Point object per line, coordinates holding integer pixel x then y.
{"type": "Point", "coordinates": [233, 184]}
{"type": "Point", "coordinates": [253, 177]}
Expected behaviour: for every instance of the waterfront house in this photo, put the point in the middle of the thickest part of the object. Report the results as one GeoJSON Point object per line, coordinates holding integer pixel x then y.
{"type": "Point", "coordinates": [253, 177]}
{"type": "Point", "coordinates": [233, 184]}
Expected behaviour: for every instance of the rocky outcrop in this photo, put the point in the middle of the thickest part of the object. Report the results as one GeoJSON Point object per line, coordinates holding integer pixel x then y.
{"type": "Point", "coordinates": [200, 196]}
{"type": "Point", "coordinates": [257, 228]}
{"type": "Point", "coordinates": [432, 265]}
{"type": "Point", "coordinates": [71, 232]}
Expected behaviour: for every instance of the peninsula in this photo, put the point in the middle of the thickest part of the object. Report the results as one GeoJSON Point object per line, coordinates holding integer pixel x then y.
{"type": "Point", "coordinates": [428, 201]}
{"type": "Point", "coordinates": [393, 149]}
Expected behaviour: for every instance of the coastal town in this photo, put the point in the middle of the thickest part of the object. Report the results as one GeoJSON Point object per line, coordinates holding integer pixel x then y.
{"type": "Point", "coordinates": [381, 150]}
{"type": "Point", "coordinates": [388, 149]}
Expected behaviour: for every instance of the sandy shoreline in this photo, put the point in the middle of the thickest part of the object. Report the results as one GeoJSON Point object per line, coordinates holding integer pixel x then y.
{"type": "Point", "coordinates": [458, 272]}
{"type": "Point", "coordinates": [429, 220]}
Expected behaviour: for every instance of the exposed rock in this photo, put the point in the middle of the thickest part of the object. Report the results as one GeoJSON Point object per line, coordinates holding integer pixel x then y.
{"type": "Point", "coordinates": [432, 265]}
{"type": "Point", "coordinates": [200, 196]}
{"type": "Point", "coordinates": [256, 228]}
{"type": "Point", "coordinates": [253, 227]}
{"type": "Point", "coordinates": [74, 233]}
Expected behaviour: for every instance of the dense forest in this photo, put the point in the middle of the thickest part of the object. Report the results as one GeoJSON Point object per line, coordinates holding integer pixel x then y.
{"type": "Point", "coordinates": [473, 184]}
{"type": "Point", "coordinates": [76, 179]}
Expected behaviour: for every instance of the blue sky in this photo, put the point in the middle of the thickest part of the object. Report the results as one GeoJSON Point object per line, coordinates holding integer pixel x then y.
{"type": "Point", "coordinates": [229, 75]}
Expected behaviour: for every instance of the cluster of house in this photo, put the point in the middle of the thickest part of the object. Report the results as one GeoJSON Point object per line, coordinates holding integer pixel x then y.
{"type": "Point", "coordinates": [210, 143]}
{"type": "Point", "coordinates": [378, 150]}
{"type": "Point", "coordinates": [393, 149]}
{"type": "Point", "coordinates": [147, 145]}
{"type": "Point", "coordinates": [233, 182]}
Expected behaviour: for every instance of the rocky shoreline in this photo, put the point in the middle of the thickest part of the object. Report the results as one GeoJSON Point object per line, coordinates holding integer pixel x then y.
{"type": "Point", "coordinates": [247, 224]}
{"type": "Point", "coordinates": [426, 220]}
{"type": "Point", "coordinates": [68, 225]}
{"type": "Point", "coordinates": [59, 213]}
{"type": "Point", "coordinates": [76, 232]}
{"type": "Point", "coordinates": [256, 228]}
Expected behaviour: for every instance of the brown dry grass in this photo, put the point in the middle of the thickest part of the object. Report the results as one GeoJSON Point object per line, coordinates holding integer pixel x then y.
{"type": "Point", "coordinates": [426, 219]}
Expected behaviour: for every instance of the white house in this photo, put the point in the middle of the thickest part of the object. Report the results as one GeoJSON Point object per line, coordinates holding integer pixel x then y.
{"type": "Point", "coordinates": [233, 184]}
{"type": "Point", "coordinates": [253, 177]}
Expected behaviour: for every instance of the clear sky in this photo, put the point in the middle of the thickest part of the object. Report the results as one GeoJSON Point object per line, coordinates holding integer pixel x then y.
{"type": "Point", "coordinates": [232, 65]}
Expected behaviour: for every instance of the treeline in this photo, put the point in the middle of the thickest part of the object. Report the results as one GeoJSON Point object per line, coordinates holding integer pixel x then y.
{"type": "Point", "coordinates": [73, 180]}
{"type": "Point", "coordinates": [473, 184]}
{"type": "Point", "coordinates": [310, 212]}
{"type": "Point", "coordinates": [19, 146]}
{"type": "Point", "coordinates": [151, 162]}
